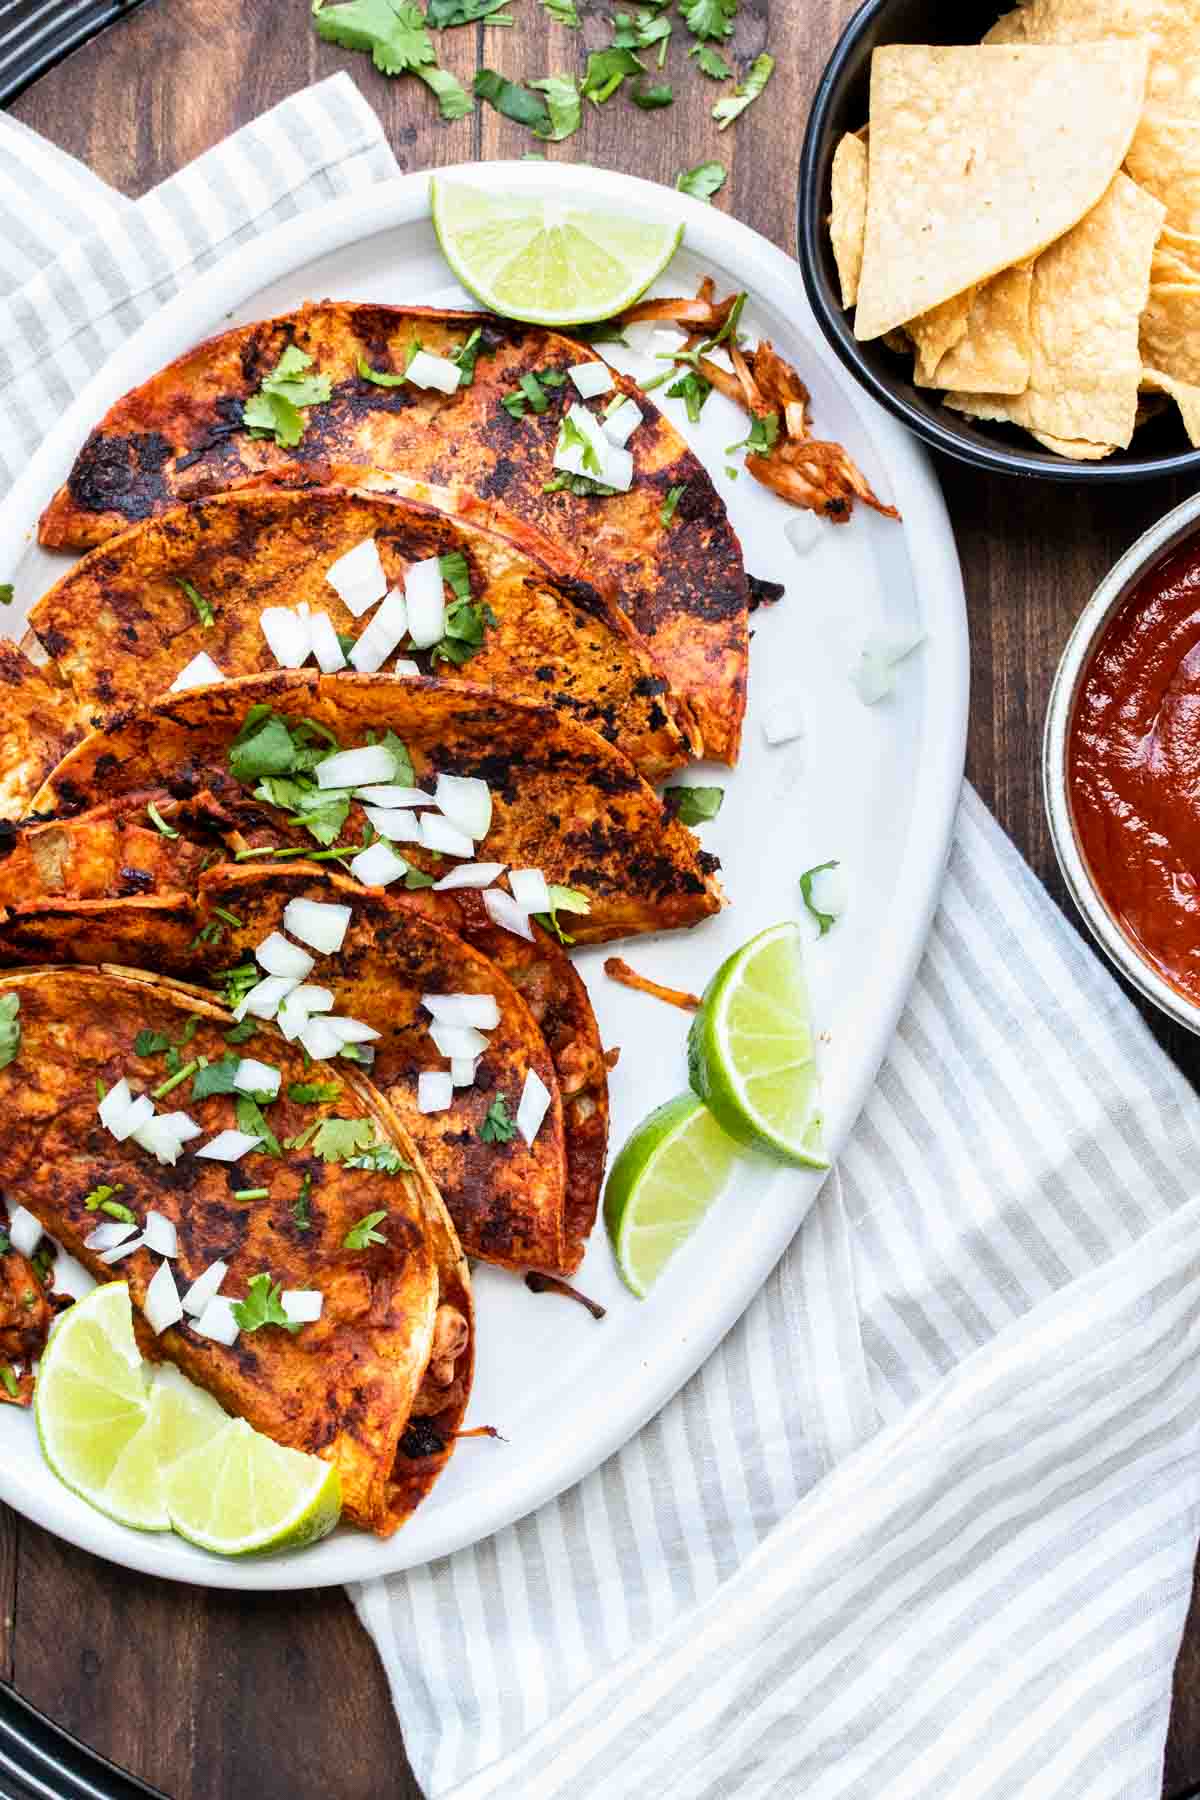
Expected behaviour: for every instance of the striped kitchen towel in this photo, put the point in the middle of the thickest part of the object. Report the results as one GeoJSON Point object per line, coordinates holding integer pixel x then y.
{"type": "Point", "coordinates": [925, 1523]}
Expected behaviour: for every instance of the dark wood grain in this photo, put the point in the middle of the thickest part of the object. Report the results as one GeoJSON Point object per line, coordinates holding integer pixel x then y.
{"type": "Point", "coordinates": [205, 1694]}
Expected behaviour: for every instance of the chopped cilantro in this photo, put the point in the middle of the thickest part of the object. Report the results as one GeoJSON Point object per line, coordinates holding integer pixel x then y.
{"type": "Point", "coordinates": [384, 378]}
{"type": "Point", "coordinates": [5, 1246]}
{"type": "Point", "coordinates": [530, 393]}
{"type": "Point", "coordinates": [442, 14]}
{"type": "Point", "coordinates": [203, 607]}
{"type": "Point", "coordinates": [393, 31]}
{"type": "Point", "coordinates": [463, 632]}
{"type": "Point", "coordinates": [251, 1193]}
{"type": "Point", "coordinates": [313, 1093]}
{"type": "Point", "coordinates": [9, 1380]}
{"type": "Point", "coordinates": [468, 354]}
{"type": "Point", "coordinates": [670, 503]}
{"type": "Point", "coordinates": [693, 389]}
{"type": "Point", "coordinates": [563, 899]}
{"type": "Point", "coordinates": [456, 574]}
{"type": "Point", "coordinates": [263, 1305]}
{"type": "Point", "coordinates": [301, 1210]}
{"type": "Point", "coordinates": [564, 105]}
{"type": "Point", "coordinates": [606, 70]}
{"type": "Point", "coordinates": [174, 1080]}
{"type": "Point", "coordinates": [693, 805]}
{"type": "Point", "coordinates": [236, 984]}
{"type": "Point", "coordinates": [215, 1078]}
{"type": "Point", "coordinates": [10, 1029]}
{"type": "Point", "coordinates": [262, 747]}
{"type": "Point", "coordinates": [99, 1195]}
{"type": "Point", "coordinates": [648, 98]}
{"type": "Point", "coordinates": [277, 410]}
{"type": "Point", "coordinates": [454, 102]}
{"type": "Point", "coordinates": [825, 921]}
{"type": "Point", "coordinates": [764, 435]}
{"type": "Point", "coordinates": [709, 18]}
{"type": "Point", "coordinates": [362, 1235]}
{"type": "Point", "coordinates": [498, 1127]}
{"type": "Point", "coordinates": [242, 1032]}
{"type": "Point", "coordinates": [514, 101]}
{"type": "Point", "coordinates": [383, 1159]}
{"type": "Point", "coordinates": [116, 1209]}
{"type": "Point", "coordinates": [731, 106]}
{"type": "Point", "coordinates": [570, 437]}
{"type": "Point", "coordinates": [713, 64]}
{"type": "Point", "coordinates": [417, 878]}
{"type": "Point", "coordinates": [150, 1043]}
{"type": "Point", "coordinates": [356, 1143]}
{"type": "Point", "coordinates": [563, 12]}
{"type": "Point", "coordinates": [6, 593]}
{"type": "Point", "coordinates": [581, 485]}
{"type": "Point", "coordinates": [249, 1116]}
{"type": "Point", "coordinates": [158, 822]}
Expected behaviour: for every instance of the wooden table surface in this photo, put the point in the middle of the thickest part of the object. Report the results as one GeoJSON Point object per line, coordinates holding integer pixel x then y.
{"type": "Point", "coordinates": [208, 1695]}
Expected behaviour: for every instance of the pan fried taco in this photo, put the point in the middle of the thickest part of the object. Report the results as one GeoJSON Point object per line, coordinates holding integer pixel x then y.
{"type": "Point", "coordinates": [325, 1198]}
{"type": "Point", "coordinates": [213, 578]}
{"type": "Point", "coordinates": [329, 385]}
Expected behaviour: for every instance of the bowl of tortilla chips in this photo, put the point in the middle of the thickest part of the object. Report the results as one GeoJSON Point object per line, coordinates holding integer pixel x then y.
{"type": "Point", "coordinates": [999, 228]}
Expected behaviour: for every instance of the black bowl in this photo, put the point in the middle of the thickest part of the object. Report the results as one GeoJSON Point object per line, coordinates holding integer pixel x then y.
{"type": "Point", "coordinates": [1160, 447]}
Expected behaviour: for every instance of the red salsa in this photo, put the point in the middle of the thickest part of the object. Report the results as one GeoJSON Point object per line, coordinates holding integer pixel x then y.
{"type": "Point", "coordinates": [1133, 768]}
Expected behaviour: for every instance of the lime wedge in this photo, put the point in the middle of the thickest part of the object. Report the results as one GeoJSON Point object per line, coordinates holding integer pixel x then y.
{"type": "Point", "coordinates": [750, 1050]}
{"type": "Point", "coordinates": [661, 1185]}
{"type": "Point", "coordinates": [93, 1415]}
{"type": "Point", "coordinates": [240, 1494]}
{"type": "Point", "coordinates": [545, 259]}
{"type": "Point", "coordinates": [182, 1416]}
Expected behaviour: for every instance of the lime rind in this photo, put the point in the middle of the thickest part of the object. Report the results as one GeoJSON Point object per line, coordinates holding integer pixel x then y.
{"type": "Point", "coordinates": [241, 1494]}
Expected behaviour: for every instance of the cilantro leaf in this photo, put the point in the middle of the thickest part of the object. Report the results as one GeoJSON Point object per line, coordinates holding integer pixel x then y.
{"type": "Point", "coordinates": [417, 878]}
{"type": "Point", "coordinates": [825, 921]}
{"type": "Point", "coordinates": [6, 593]}
{"type": "Point", "coordinates": [468, 354]}
{"type": "Point", "coordinates": [263, 1305]}
{"type": "Point", "coordinates": [150, 1043]}
{"type": "Point", "coordinates": [276, 410]}
{"type": "Point", "coordinates": [702, 182]}
{"type": "Point", "coordinates": [385, 378]}
{"type": "Point", "coordinates": [731, 106]}
{"type": "Point", "coordinates": [670, 503]}
{"type": "Point", "coordinates": [606, 70]}
{"type": "Point", "coordinates": [711, 63]}
{"type": "Point", "coordinates": [453, 100]}
{"type": "Point", "coordinates": [362, 1235]}
{"type": "Point", "coordinates": [563, 12]}
{"type": "Point", "coordinates": [250, 1119]}
{"type": "Point", "coordinates": [392, 31]}
{"type": "Point", "coordinates": [102, 1194]}
{"type": "Point", "coordinates": [709, 18]}
{"type": "Point", "coordinates": [236, 984]}
{"type": "Point", "coordinates": [313, 1093]}
{"type": "Point", "coordinates": [203, 607]}
{"type": "Point", "coordinates": [10, 1029]}
{"type": "Point", "coordinates": [456, 574]}
{"type": "Point", "coordinates": [514, 101]}
{"type": "Point", "coordinates": [336, 1139]}
{"type": "Point", "coordinates": [570, 437]}
{"type": "Point", "coordinates": [215, 1078]}
{"type": "Point", "coordinates": [116, 1209]}
{"type": "Point", "coordinates": [383, 1159]}
{"type": "Point", "coordinates": [442, 14]}
{"type": "Point", "coordinates": [764, 435]}
{"type": "Point", "coordinates": [693, 390]}
{"type": "Point", "coordinates": [693, 805]}
{"type": "Point", "coordinates": [8, 1380]}
{"type": "Point", "coordinates": [498, 1127]}
{"type": "Point", "coordinates": [463, 632]}
{"type": "Point", "coordinates": [262, 747]}
{"type": "Point", "coordinates": [562, 103]}
{"type": "Point", "coordinates": [650, 98]}
{"type": "Point", "coordinates": [241, 1033]}
{"type": "Point", "coordinates": [301, 1210]}
{"type": "Point", "coordinates": [563, 899]}
{"type": "Point", "coordinates": [159, 823]}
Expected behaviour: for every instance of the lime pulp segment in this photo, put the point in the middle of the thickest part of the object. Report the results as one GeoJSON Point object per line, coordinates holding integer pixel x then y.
{"type": "Point", "coordinates": [674, 1165]}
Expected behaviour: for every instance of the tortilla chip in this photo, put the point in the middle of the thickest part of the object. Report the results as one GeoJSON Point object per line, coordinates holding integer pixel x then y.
{"type": "Point", "coordinates": [982, 156]}
{"type": "Point", "coordinates": [936, 332]}
{"type": "Point", "coordinates": [1164, 158]}
{"type": "Point", "coordinates": [1075, 448]}
{"type": "Point", "coordinates": [1089, 291]}
{"type": "Point", "coordinates": [848, 219]}
{"type": "Point", "coordinates": [1173, 267]}
{"type": "Point", "coordinates": [1186, 396]}
{"type": "Point", "coordinates": [1171, 330]}
{"type": "Point", "coordinates": [994, 355]}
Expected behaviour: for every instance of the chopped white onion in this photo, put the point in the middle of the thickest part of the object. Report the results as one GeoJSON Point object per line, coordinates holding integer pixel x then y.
{"type": "Point", "coordinates": [425, 591]}
{"type": "Point", "coordinates": [109, 1235]}
{"type": "Point", "coordinates": [202, 671]}
{"type": "Point", "coordinates": [618, 469]}
{"type": "Point", "coordinates": [351, 1031]}
{"type": "Point", "coordinates": [439, 834]}
{"type": "Point", "coordinates": [480, 1010]}
{"type": "Point", "coordinates": [328, 652]}
{"type": "Point", "coordinates": [277, 955]}
{"type": "Point", "coordinates": [503, 911]}
{"type": "Point", "coordinates": [299, 1007]}
{"type": "Point", "coordinates": [159, 1138]}
{"type": "Point", "coordinates": [204, 1287]}
{"type": "Point", "coordinates": [668, 341]}
{"type": "Point", "coordinates": [267, 996]}
{"type": "Point", "coordinates": [470, 875]}
{"type": "Point", "coordinates": [381, 637]}
{"type": "Point", "coordinates": [435, 1091]}
{"type": "Point", "coordinates": [620, 424]}
{"type": "Point", "coordinates": [615, 466]}
{"type": "Point", "coordinates": [467, 802]}
{"type": "Point", "coordinates": [160, 1235]}
{"type": "Point", "coordinates": [184, 1128]}
{"type": "Point", "coordinates": [457, 1040]}
{"type": "Point", "coordinates": [803, 532]}
{"type": "Point", "coordinates": [229, 1146]}
{"type": "Point", "coordinates": [303, 1306]}
{"type": "Point", "coordinates": [24, 1231]}
{"type": "Point", "coordinates": [462, 1071]}
{"type": "Point", "coordinates": [535, 1104]}
{"type": "Point", "coordinates": [828, 891]}
{"type": "Point", "coordinates": [784, 719]}
{"type": "Point", "coordinates": [321, 1040]}
{"type": "Point", "coordinates": [217, 1322]}
{"type": "Point", "coordinates": [591, 378]}
{"type": "Point", "coordinates": [396, 824]}
{"type": "Point", "coordinates": [378, 866]}
{"type": "Point", "coordinates": [428, 371]}
{"type": "Point", "coordinates": [254, 1077]}
{"type": "Point", "coordinates": [357, 578]}
{"type": "Point", "coordinates": [530, 890]}
{"type": "Point", "coordinates": [404, 665]}
{"type": "Point", "coordinates": [318, 924]}
{"type": "Point", "coordinates": [354, 768]}
{"type": "Point", "coordinates": [121, 1114]}
{"type": "Point", "coordinates": [288, 635]}
{"type": "Point", "coordinates": [122, 1250]}
{"type": "Point", "coordinates": [874, 675]}
{"type": "Point", "coordinates": [390, 795]}
{"type": "Point", "coordinates": [162, 1307]}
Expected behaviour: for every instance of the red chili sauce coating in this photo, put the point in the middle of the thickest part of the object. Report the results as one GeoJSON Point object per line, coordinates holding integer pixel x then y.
{"type": "Point", "coordinates": [1133, 768]}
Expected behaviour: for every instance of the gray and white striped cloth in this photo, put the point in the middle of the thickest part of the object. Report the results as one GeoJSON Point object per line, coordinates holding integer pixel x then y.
{"type": "Point", "coordinates": [925, 1523]}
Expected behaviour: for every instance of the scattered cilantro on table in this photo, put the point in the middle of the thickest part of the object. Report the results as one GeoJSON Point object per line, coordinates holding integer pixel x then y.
{"type": "Point", "coordinates": [702, 182]}
{"type": "Point", "coordinates": [563, 104]}
{"type": "Point", "coordinates": [825, 921]}
{"type": "Point", "coordinates": [516, 102]}
{"type": "Point", "coordinates": [693, 805]}
{"type": "Point", "coordinates": [6, 593]}
{"type": "Point", "coordinates": [563, 12]}
{"type": "Point", "coordinates": [731, 106]}
{"type": "Point", "coordinates": [442, 14]}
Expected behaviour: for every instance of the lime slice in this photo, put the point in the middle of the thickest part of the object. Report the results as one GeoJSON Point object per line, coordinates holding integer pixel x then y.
{"type": "Point", "coordinates": [750, 1050]}
{"type": "Point", "coordinates": [661, 1185]}
{"type": "Point", "coordinates": [240, 1494]}
{"type": "Point", "coordinates": [93, 1415]}
{"type": "Point", "coordinates": [545, 259]}
{"type": "Point", "coordinates": [182, 1416]}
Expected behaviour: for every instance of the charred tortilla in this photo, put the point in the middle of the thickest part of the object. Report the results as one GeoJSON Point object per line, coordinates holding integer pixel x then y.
{"type": "Point", "coordinates": [60, 889]}
{"type": "Point", "coordinates": [126, 619]}
{"type": "Point", "coordinates": [181, 435]}
{"type": "Point", "coordinates": [564, 801]}
{"type": "Point", "coordinates": [347, 1388]}
{"type": "Point", "coordinates": [42, 720]}
{"type": "Point", "coordinates": [27, 1311]}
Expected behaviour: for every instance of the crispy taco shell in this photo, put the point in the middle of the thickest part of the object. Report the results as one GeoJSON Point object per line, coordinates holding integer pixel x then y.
{"type": "Point", "coordinates": [348, 1388]}
{"type": "Point", "coordinates": [180, 435]}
